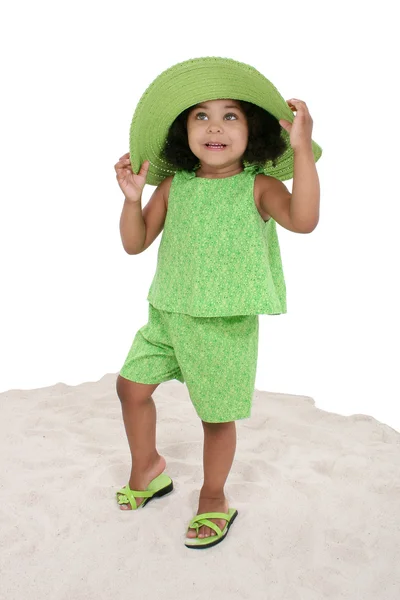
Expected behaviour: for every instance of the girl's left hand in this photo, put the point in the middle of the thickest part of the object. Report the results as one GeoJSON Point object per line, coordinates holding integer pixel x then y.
{"type": "Point", "coordinates": [301, 128]}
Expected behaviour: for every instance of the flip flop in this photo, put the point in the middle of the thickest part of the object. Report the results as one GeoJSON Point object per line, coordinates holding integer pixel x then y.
{"type": "Point", "coordinates": [200, 520]}
{"type": "Point", "coordinates": [160, 486]}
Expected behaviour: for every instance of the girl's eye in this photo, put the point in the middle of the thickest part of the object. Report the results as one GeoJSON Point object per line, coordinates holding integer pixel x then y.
{"type": "Point", "coordinates": [227, 114]}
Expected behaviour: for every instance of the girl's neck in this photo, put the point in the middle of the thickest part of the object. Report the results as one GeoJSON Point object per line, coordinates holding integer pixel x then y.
{"type": "Point", "coordinates": [213, 173]}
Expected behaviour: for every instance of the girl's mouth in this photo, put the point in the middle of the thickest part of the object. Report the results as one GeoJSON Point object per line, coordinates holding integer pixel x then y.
{"type": "Point", "coordinates": [215, 147]}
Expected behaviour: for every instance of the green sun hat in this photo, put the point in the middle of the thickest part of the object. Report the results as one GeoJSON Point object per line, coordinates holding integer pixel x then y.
{"type": "Point", "coordinates": [191, 82]}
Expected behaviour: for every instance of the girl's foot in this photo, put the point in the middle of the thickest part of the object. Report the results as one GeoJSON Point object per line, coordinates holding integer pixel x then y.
{"type": "Point", "coordinates": [140, 482]}
{"type": "Point", "coordinates": [219, 504]}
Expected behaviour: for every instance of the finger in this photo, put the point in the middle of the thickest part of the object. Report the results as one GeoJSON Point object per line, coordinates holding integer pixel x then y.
{"type": "Point", "coordinates": [120, 166]}
{"type": "Point", "coordinates": [297, 104]}
{"type": "Point", "coordinates": [124, 162]}
{"type": "Point", "coordinates": [145, 167]}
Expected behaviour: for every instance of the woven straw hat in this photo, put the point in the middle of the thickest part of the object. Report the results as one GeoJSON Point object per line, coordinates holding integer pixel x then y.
{"type": "Point", "coordinates": [191, 82]}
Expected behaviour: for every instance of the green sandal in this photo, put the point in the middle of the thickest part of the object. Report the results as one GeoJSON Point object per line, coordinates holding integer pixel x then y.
{"type": "Point", "coordinates": [160, 486]}
{"type": "Point", "coordinates": [200, 520]}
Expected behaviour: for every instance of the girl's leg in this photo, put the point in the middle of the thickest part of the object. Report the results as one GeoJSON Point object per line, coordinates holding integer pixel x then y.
{"type": "Point", "coordinates": [139, 414]}
{"type": "Point", "coordinates": [218, 454]}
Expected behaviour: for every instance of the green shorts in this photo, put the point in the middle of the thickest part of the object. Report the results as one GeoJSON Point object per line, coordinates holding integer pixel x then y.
{"type": "Point", "coordinates": [215, 356]}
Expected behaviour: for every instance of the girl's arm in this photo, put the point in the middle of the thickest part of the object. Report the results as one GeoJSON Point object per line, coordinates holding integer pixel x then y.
{"type": "Point", "coordinates": [304, 204]}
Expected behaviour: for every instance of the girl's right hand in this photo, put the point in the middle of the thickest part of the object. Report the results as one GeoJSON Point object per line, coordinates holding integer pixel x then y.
{"type": "Point", "coordinates": [132, 185]}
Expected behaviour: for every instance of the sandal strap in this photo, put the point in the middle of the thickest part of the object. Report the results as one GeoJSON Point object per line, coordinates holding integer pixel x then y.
{"type": "Point", "coordinates": [126, 495]}
{"type": "Point", "coordinates": [209, 524]}
{"type": "Point", "coordinates": [203, 519]}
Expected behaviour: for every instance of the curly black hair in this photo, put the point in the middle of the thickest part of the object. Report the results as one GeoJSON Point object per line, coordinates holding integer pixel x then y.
{"type": "Point", "coordinates": [265, 141]}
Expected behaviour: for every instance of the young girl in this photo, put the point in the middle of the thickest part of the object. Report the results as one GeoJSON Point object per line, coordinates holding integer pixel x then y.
{"type": "Point", "coordinates": [219, 263]}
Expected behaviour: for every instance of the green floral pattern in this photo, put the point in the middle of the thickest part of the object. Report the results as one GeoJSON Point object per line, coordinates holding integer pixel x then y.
{"type": "Point", "coordinates": [217, 256]}
{"type": "Point", "coordinates": [215, 356]}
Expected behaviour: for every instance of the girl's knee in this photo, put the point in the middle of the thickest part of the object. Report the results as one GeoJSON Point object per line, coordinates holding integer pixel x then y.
{"type": "Point", "coordinates": [133, 392]}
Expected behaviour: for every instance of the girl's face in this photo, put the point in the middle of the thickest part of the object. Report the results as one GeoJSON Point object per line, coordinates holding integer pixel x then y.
{"type": "Point", "coordinates": [218, 121]}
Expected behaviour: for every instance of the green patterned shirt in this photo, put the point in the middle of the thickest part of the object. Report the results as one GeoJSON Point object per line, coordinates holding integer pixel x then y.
{"type": "Point", "coordinates": [217, 256]}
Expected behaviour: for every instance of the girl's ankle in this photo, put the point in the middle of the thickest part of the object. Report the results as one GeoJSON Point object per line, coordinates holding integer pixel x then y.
{"type": "Point", "coordinates": [141, 471]}
{"type": "Point", "coordinates": [211, 494]}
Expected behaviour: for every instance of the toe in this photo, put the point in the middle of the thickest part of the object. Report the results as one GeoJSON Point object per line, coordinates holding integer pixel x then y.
{"type": "Point", "coordinates": [191, 533]}
{"type": "Point", "coordinates": [204, 532]}
{"type": "Point", "coordinates": [221, 524]}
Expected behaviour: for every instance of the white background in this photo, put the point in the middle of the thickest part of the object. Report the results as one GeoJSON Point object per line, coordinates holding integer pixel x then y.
{"type": "Point", "coordinates": [72, 299]}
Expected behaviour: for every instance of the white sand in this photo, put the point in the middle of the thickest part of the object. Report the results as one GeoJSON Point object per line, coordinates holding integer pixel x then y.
{"type": "Point", "coordinates": [318, 496]}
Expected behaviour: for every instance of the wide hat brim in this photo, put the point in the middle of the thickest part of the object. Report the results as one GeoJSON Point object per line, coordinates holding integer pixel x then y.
{"type": "Point", "coordinates": [197, 80]}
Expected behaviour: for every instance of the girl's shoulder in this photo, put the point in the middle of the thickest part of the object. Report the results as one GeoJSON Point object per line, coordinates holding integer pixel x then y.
{"type": "Point", "coordinates": [182, 175]}
{"type": "Point", "coordinates": [165, 185]}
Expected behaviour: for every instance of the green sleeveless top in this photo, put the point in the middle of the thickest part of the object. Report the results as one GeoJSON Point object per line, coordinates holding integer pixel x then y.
{"type": "Point", "coordinates": [217, 256]}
